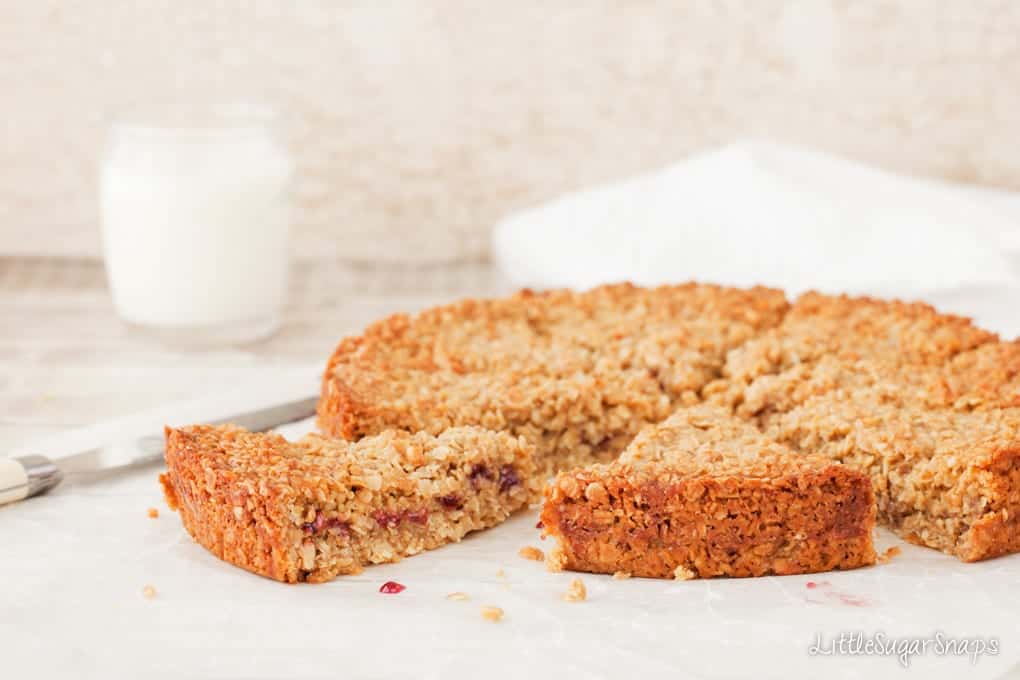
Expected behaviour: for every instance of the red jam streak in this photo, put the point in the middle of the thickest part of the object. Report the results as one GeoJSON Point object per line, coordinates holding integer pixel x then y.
{"type": "Point", "coordinates": [392, 519]}
{"type": "Point", "coordinates": [333, 525]}
{"type": "Point", "coordinates": [451, 501]}
{"type": "Point", "coordinates": [828, 596]}
{"type": "Point", "coordinates": [508, 478]}
{"type": "Point", "coordinates": [479, 472]}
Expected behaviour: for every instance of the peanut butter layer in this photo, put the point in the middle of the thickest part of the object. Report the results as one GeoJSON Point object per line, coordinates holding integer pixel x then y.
{"type": "Point", "coordinates": [316, 508]}
{"type": "Point", "coordinates": [705, 494]}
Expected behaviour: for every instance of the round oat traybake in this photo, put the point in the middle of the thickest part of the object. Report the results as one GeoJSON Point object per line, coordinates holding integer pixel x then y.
{"type": "Point", "coordinates": [915, 412]}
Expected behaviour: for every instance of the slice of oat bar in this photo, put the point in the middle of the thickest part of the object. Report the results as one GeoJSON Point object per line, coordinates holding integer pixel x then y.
{"type": "Point", "coordinates": [316, 508]}
{"type": "Point", "coordinates": [705, 494]}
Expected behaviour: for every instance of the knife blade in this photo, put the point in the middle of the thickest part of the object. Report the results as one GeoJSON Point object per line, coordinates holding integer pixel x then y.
{"type": "Point", "coordinates": [27, 476]}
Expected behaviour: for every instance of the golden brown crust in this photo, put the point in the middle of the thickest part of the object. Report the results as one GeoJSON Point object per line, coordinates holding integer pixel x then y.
{"type": "Point", "coordinates": [985, 377]}
{"type": "Point", "coordinates": [704, 494]}
{"type": "Point", "coordinates": [205, 492]}
{"type": "Point", "coordinates": [905, 343]}
{"type": "Point", "coordinates": [315, 508]}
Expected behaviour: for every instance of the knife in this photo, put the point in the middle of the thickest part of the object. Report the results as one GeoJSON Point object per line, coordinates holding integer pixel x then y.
{"type": "Point", "coordinates": [27, 476]}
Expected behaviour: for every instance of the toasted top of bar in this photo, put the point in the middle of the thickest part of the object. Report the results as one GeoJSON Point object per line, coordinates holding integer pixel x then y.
{"type": "Point", "coordinates": [705, 441]}
{"type": "Point", "coordinates": [943, 437]}
{"type": "Point", "coordinates": [986, 377]}
{"type": "Point", "coordinates": [981, 378]}
{"type": "Point", "coordinates": [877, 379]}
{"type": "Point", "coordinates": [862, 327]}
{"type": "Point", "coordinates": [943, 461]}
{"type": "Point", "coordinates": [335, 471]}
{"type": "Point", "coordinates": [540, 357]}
{"type": "Point", "coordinates": [900, 334]}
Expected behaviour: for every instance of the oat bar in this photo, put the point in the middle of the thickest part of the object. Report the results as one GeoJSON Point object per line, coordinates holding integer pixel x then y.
{"type": "Point", "coordinates": [316, 508]}
{"type": "Point", "coordinates": [705, 494]}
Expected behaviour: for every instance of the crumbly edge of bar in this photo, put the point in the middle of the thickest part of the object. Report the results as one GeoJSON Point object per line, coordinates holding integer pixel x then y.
{"type": "Point", "coordinates": [292, 521]}
{"type": "Point", "coordinates": [705, 527]}
{"type": "Point", "coordinates": [257, 539]}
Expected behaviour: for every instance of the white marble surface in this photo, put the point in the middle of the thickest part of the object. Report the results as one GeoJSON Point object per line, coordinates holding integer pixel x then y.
{"type": "Point", "coordinates": [76, 561]}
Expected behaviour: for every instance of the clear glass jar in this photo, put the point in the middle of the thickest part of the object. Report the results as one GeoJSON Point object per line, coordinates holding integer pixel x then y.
{"type": "Point", "coordinates": [195, 221]}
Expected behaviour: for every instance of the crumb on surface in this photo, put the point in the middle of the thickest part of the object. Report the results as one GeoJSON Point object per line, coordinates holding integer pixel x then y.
{"type": "Point", "coordinates": [576, 592]}
{"type": "Point", "coordinates": [530, 552]}
{"type": "Point", "coordinates": [392, 588]}
{"type": "Point", "coordinates": [458, 596]}
{"type": "Point", "coordinates": [149, 592]}
{"type": "Point", "coordinates": [682, 573]}
{"type": "Point", "coordinates": [491, 613]}
{"type": "Point", "coordinates": [888, 554]}
{"type": "Point", "coordinates": [621, 575]}
{"type": "Point", "coordinates": [501, 574]}
{"type": "Point", "coordinates": [153, 513]}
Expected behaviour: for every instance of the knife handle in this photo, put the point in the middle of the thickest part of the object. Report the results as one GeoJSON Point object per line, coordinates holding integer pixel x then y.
{"type": "Point", "coordinates": [26, 476]}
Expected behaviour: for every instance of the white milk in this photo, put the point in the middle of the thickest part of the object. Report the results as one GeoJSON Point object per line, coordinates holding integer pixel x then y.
{"type": "Point", "coordinates": [195, 223]}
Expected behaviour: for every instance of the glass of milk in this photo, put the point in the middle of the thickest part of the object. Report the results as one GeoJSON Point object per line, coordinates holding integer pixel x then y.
{"type": "Point", "coordinates": [195, 219]}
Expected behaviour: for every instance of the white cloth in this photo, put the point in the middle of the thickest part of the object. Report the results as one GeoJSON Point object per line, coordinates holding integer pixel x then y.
{"type": "Point", "coordinates": [764, 213]}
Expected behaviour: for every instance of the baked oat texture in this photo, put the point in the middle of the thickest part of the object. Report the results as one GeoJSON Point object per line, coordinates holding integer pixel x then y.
{"type": "Point", "coordinates": [578, 374]}
{"type": "Point", "coordinates": [706, 494]}
{"type": "Point", "coordinates": [317, 508]}
{"type": "Point", "coordinates": [926, 404]}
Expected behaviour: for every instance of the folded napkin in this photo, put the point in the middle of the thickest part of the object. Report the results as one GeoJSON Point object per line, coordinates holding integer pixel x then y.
{"type": "Point", "coordinates": [762, 213]}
